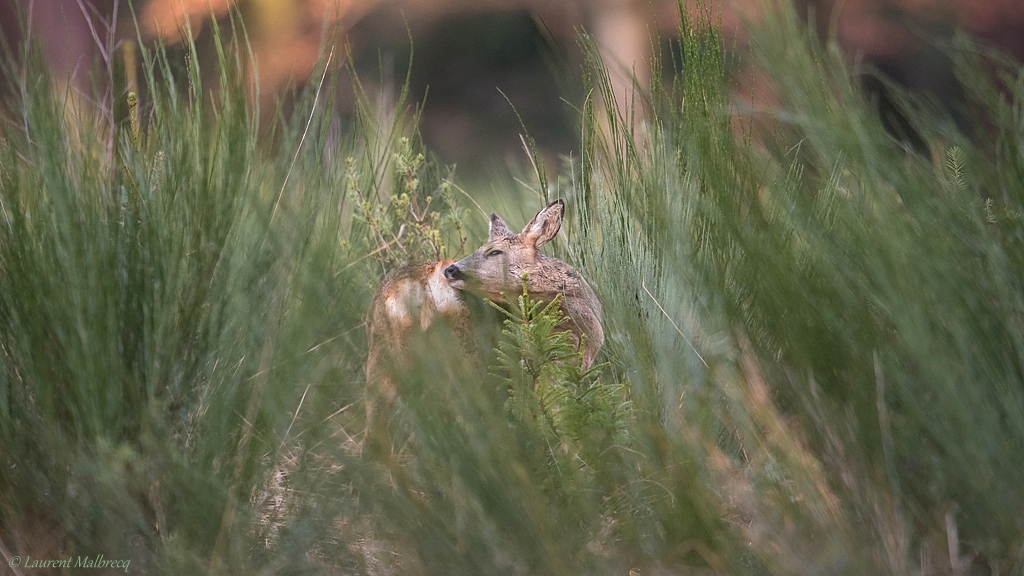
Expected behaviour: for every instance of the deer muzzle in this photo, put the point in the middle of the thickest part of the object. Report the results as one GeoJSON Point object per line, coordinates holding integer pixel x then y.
{"type": "Point", "coordinates": [453, 273]}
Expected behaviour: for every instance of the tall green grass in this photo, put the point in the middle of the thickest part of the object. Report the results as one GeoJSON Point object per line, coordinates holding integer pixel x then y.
{"type": "Point", "coordinates": [827, 324]}
{"type": "Point", "coordinates": [812, 358]}
{"type": "Point", "coordinates": [182, 311]}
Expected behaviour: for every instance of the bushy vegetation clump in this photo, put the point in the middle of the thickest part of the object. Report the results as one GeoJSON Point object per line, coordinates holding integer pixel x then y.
{"type": "Point", "coordinates": [813, 358]}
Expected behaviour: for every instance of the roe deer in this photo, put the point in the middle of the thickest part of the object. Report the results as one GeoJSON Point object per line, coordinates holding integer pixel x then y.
{"type": "Point", "coordinates": [497, 269]}
{"type": "Point", "coordinates": [407, 303]}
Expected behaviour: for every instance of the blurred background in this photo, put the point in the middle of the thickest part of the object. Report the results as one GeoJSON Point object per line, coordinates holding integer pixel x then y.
{"type": "Point", "coordinates": [480, 62]}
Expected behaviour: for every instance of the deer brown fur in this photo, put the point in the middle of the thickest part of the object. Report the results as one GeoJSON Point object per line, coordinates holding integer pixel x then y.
{"type": "Point", "coordinates": [496, 269]}
{"type": "Point", "coordinates": [408, 303]}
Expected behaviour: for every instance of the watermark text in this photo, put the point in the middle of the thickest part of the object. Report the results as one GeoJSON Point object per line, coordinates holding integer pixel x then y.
{"type": "Point", "coordinates": [98, 561]}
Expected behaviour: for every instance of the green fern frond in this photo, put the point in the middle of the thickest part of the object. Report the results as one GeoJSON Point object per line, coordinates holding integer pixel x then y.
{"type": "Point", "coordinates": [955, 170]}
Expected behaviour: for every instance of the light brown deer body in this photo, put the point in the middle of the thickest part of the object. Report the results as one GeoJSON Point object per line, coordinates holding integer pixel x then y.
{"type": "Point", "coordinates": [407, 304]}
{"type": "Point", "coordinates": [496, 269]}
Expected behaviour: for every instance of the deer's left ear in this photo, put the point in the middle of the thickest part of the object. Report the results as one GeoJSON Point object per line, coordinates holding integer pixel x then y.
{"type": "Point", "coordinates": [545, 224]}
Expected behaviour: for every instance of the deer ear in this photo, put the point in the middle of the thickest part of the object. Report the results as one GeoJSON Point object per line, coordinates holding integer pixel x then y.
{"type": "Point", "coordinates": [498, 227]}
{"type": "Point", "coordinates": [545, 224]}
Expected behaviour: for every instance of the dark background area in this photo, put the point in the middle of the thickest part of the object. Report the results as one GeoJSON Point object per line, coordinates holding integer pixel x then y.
{"type": "Point", "coordinates": [478, 64]}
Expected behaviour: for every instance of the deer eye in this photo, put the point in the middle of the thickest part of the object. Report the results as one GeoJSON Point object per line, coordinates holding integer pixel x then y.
{"type": "Point", "coordinates": [494, 253]}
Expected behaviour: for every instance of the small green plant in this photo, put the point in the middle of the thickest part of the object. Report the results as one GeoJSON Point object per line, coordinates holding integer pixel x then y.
{"type": "Point", "coordinates": [567, 409]}
{"type": "Point", "coordinates": [417, 220]}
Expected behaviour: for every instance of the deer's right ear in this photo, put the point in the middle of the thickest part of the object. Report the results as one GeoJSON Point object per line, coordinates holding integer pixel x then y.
{"type": "Point", "coordinates": [498, 227]}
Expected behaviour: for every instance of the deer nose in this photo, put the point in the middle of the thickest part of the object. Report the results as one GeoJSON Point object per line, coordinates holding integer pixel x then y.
{"type": "Point", "coordinates": [453, 273]}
